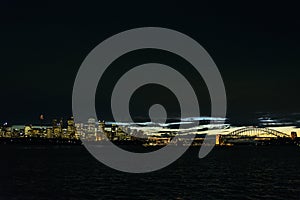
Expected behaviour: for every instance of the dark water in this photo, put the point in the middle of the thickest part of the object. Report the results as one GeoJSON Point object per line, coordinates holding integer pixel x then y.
{"type": "Point", "coordinates": [53, 172]}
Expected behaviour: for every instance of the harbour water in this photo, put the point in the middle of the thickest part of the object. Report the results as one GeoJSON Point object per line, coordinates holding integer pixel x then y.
{"type": "Point", "coordinates": [70, 172]}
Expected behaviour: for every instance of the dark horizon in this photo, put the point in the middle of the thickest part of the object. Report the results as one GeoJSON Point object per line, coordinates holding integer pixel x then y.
{"type": "Point", "coordinates": [255, 47]}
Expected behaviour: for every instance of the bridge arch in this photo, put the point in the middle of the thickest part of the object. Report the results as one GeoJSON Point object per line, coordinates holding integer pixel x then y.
{"type": "Point", "coordinates": [255, 131]}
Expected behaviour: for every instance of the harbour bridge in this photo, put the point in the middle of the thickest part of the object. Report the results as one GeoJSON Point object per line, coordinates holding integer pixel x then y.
{"type": "Point", "coordinates": [255, 135]}
{"type": "Point", "coordinates": [256, 132]}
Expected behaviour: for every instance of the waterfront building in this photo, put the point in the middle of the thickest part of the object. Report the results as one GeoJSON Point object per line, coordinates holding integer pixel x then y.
{"type": "Point", "coordinates": [71, 130]}
{"type": "Point", "coordinates": [27, 130]}
{"type": "Point", "coordinates": [91, 124]}
{"type": "Point", "coordinates": [79, 130]}
{"type": "Point", "coordinates": [57, 128]}
{"type": "Point", "coordinates": [49, 132]}
{"type": "Point", "coordinates": [90, 129]}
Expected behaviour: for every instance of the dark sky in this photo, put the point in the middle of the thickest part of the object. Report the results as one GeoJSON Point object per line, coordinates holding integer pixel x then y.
{"type": "Point", "coordinates": [255, 46]}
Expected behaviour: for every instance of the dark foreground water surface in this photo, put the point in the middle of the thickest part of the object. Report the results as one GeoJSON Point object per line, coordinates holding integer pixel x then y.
{"type": "Point", "coordinates": [70, 172]}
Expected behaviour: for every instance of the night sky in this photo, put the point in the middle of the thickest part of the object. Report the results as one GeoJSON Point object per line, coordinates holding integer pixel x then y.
{"type": "Point", "coordinates": [255, 46]}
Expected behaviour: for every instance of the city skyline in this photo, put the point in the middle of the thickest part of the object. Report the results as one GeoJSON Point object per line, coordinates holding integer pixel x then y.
{"type": "Point", "coordinates": [93, 132]}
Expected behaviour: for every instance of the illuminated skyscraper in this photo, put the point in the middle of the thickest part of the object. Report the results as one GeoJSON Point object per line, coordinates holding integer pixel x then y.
{"type": "Point", "coordinates": [91, 124]}
{"type": "Point", "coordinates": [57, 128]}
{"type": "Point", "coordinates": [71, 128]}
{"type": "Point", "coordinates": [91, 131]}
